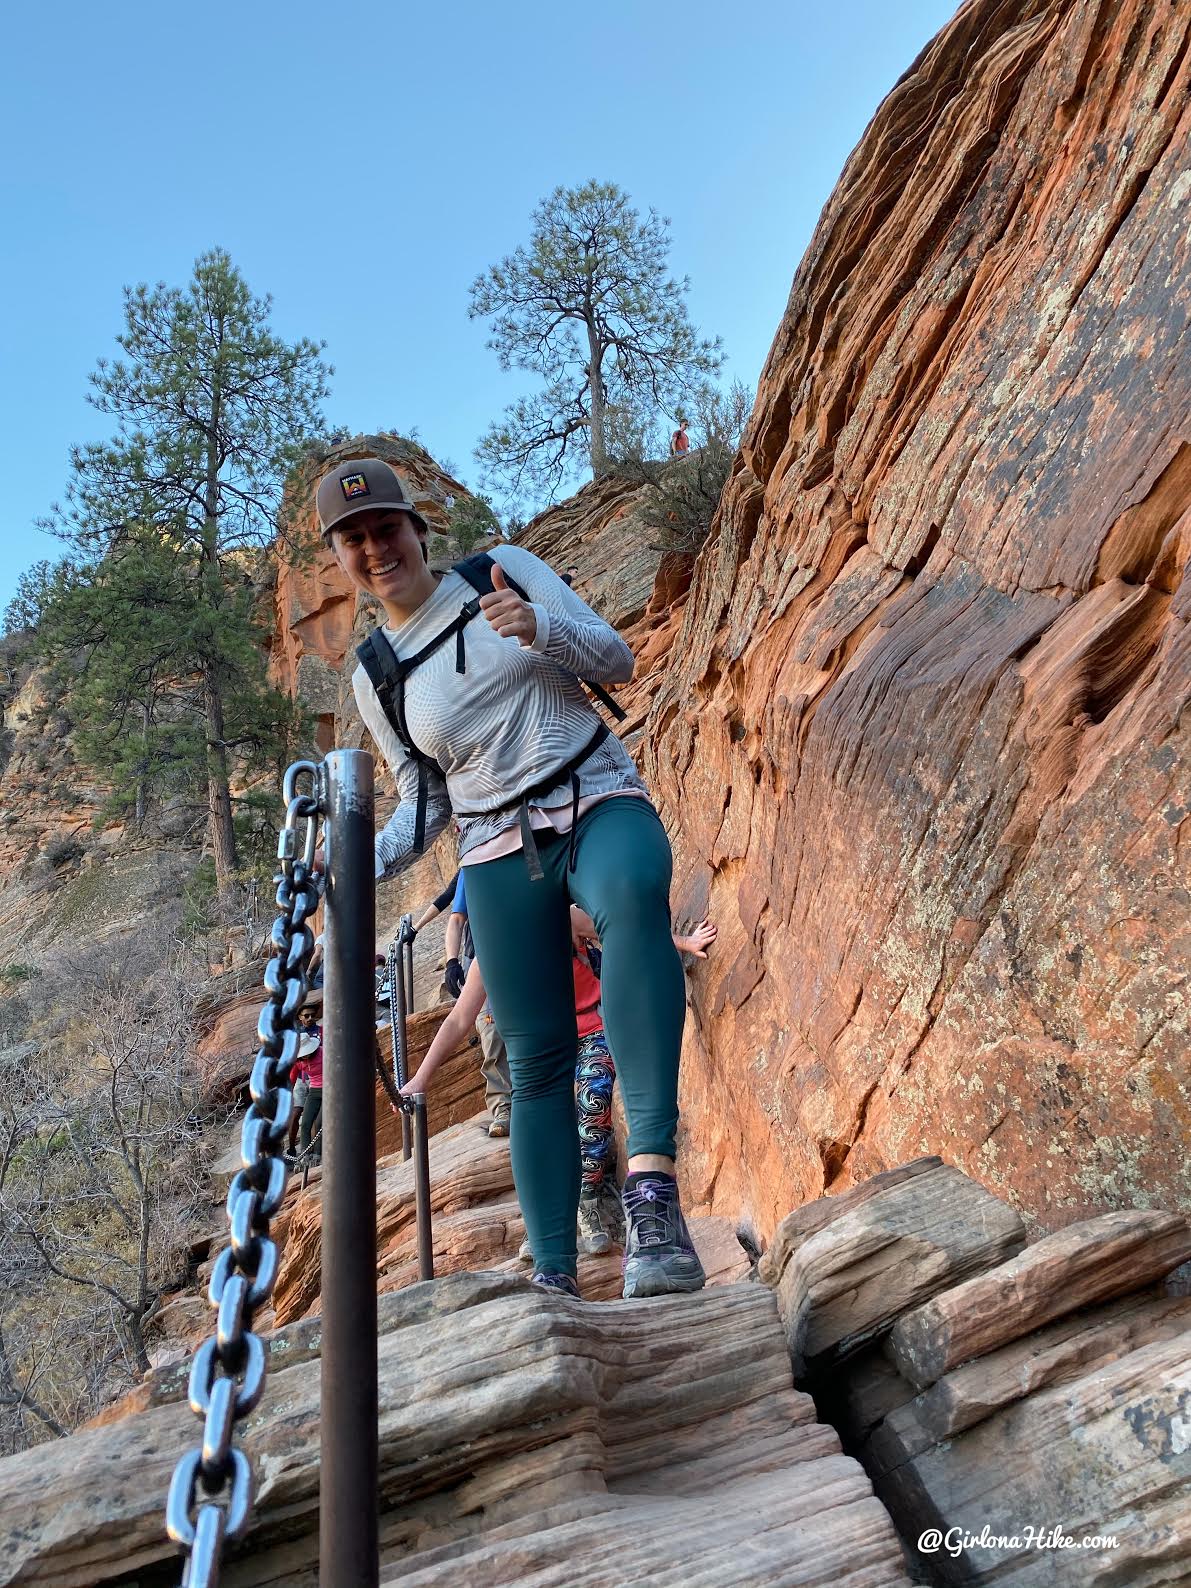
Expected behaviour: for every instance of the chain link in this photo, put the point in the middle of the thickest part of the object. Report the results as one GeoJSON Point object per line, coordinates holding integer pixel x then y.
{"type": "Point", "coordinates": [211, 1493]}
{"type": "Point", "coordinates": [400, 1008]}
{"type": "Point", "coordinates": [386, 1080]}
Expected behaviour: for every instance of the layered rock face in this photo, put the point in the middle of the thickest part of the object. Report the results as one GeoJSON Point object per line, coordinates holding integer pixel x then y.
{"type": "Point", "coordinates": [989, 1387]}
{"type": "Point", "coordinates": [524, 1438]}
{"type": "Point", "coordinates": [626, 573]}
{"type": "Point", "coordinates": [604, 531]}
{"type": "Point", "coordinates": [1001, 1399]}
{"type": "Point", "coordinates": [922, 745]}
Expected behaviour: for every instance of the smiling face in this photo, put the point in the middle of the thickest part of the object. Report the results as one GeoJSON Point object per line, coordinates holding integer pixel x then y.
{"type": "Point", "coordinates": [384, 555]}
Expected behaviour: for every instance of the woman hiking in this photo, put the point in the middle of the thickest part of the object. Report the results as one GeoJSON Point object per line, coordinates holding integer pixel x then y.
{"type": "Point", "coordinates": [472, 693]}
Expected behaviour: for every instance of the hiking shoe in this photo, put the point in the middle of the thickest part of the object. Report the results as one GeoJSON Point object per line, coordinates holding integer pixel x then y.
{"type": "Point", "coordinates": [525, 1252]}
{"type": "Point", "coordinates": [500, 1122]}
{"type": "Point", "coordinates": [590, 1233]}
{"type": "Point", "coordinates": [563, 1283]}
{"type": "Point", "coordinates": [659, 1255]}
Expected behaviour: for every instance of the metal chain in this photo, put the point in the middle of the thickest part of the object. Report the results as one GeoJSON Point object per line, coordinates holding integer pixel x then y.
{"type": "Point", "coordinates": [211, 1493]}
{"type": "Point", "coordinates": [401, 1007]}
{"type": "Point", "coordinates": [386, 1080]}
{"type": "Point", "coordinates": [393, 968]}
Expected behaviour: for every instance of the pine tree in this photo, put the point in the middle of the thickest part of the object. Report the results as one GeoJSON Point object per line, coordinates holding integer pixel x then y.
{"type": "Point", "coordinates": [589, 306]}
{"type": "Point", "coordinates": [122, 637]}
{"type": "Point", "coordinates": [211, 411]}
{"type": "Point", "coordinates": [472, 520]}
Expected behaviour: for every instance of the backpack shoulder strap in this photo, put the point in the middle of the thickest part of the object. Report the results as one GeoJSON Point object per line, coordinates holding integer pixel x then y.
{"type": "Point", "coordinates": [477, 571]}
{"type": "Point", "coordinates": [387, 676]}
{"type": "Point", "coordinates": [605, 699]}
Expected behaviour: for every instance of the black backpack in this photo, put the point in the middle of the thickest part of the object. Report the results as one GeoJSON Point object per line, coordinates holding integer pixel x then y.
{"type": "Point", "coordinates": [388, 674]}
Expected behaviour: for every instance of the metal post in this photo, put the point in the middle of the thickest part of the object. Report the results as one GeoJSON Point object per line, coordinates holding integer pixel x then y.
{"type": "Point", "coordinates": [401, 1038]}
{"type": "Point", "coordinates": [422, 1189]}
{"type": "Point", "coordinates": [348, 1551]}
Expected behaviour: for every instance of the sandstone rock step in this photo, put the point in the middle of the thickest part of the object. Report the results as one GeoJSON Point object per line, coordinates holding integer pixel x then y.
{"type": "Point", "coordinates": [1061, 1354]}
{"type": "Point", "coordinates": [807, 1220]}
{"type": "Point", "coordinates": [493, 1232]}
{"type": "Point", "coordinates": [520, 1433]}
{"type": "Point", "coordinates": [845, 1268]}
{"type": "Point", "coordinates": [468, 1169]}
{"type": "Point", "coordinates": [1087, 1262]}
{"type": "Point", "coordinates": [1029, 1397]}
{"type": "Point", "coordinates": [1105, 1453]}
{"type": "Point", "coordinates": [760, 1530]}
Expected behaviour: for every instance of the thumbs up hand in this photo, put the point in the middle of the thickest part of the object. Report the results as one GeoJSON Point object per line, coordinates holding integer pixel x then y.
{"type": "Point", "coordinates": [511, 617]}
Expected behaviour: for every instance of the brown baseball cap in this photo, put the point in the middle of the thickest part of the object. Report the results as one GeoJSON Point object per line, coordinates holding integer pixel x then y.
{"type": "Point", "coordinates": [363, 485]}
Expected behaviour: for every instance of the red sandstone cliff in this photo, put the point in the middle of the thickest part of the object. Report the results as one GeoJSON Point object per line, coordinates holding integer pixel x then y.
{"type": "Point", "coordinates": [922, 746]}
{"type": "Point", "coordinates": [918, 734]}
{"type": "Point", "coordinates": [919, 738]}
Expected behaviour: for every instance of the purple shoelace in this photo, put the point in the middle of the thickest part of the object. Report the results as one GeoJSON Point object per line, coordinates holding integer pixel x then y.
{"type": "Point", "coordinates": [652, 1209]}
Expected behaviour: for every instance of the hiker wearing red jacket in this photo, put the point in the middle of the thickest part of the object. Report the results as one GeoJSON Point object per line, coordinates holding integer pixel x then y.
{"type": "Point", "coordinates": [310, 1069]}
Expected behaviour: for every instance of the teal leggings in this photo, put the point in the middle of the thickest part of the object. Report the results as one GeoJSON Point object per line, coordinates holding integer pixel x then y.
{"type": "Point", "coordinates": [523, 943]}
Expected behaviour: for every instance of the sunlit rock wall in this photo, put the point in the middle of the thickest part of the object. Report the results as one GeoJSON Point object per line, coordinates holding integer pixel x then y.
{"type": "Point", "coordinates": [923, 744]}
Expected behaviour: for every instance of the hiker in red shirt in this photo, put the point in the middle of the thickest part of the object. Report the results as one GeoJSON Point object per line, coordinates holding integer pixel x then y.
{"type": "Point", "coordinates": [680, 442]}
{"type": "Point", "coordinates": [310, 1069]}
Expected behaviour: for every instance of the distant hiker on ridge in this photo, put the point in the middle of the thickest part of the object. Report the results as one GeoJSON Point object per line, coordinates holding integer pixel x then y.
{"type": "Point", "coordinates": [680, 442]}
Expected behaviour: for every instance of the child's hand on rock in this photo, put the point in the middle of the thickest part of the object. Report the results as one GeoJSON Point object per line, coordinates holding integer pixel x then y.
{"type": "Point", "coordinates": [698, 940]}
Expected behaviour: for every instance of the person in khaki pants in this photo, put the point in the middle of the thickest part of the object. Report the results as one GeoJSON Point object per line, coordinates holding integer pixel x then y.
{"type": "Point", "coordinates": [498, 1084]}
{"type": "Point", "coordinates": [494, 1067]}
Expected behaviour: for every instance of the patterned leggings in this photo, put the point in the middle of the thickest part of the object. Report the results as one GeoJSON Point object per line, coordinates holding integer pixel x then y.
{"type": "Point", "coordinates": [595, 1074]}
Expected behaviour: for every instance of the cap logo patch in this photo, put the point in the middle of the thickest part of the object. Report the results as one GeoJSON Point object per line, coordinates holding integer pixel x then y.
{"type": "Point", "coordinates": [354, 485]}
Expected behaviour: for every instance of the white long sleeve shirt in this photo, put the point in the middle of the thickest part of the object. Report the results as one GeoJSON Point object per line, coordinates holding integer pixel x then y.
{"type": "Point", "coordinates": [516, 714]}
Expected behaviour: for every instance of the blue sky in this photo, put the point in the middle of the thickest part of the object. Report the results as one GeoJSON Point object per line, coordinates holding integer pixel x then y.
{"type": "Point", "coordinates": [363, 163]}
